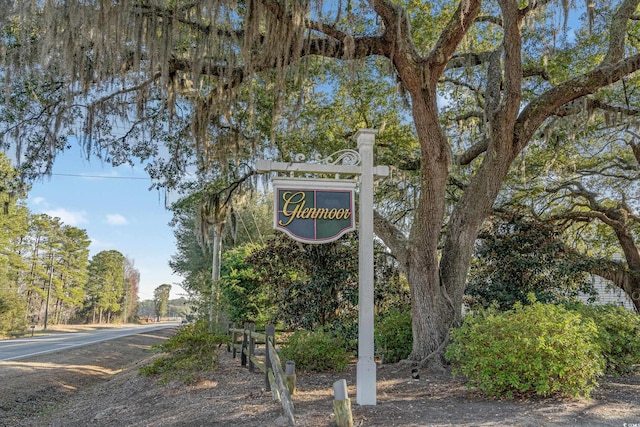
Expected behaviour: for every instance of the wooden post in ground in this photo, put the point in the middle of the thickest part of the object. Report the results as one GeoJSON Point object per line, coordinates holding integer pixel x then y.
{"type": "Point", "coordinates": [290, 376]}
{"type": "Point", "coordinates": [245, 345]}
{"type": "Point", "coordinates": [270, 335]}
{"type": "Point", "coordinates": [231, 335]}
{"type": "Point", "coordinates": [285, 396]}
{"type": "Point", "coordinates": [342, 404]}
{"type": "Point", "coordinates": [234, 342]}
{"type": "Point", "coordinates": [252, 346]}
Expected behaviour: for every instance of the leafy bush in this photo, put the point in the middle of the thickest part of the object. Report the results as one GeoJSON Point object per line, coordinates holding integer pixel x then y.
{"type": "Point", "coordinates": [518, 256]}
{"type": "Point", "coordinates": [245, 298]}
{"type": "Point", "coordinates": [393, 335]}
{"type": "Point", "coordinates": [316, 351]}
{"type": "Point", "coordinates": [312, 286]}
{"type": "Point", "coordinates": [192, 350]}
{"type": "Point", "coordinates": [13, 311]}
{"type": "Point", "coordinates": [619, 336]}
{"type": "Point", "coordinates": [316, 286]}
{"type": "Point", "coordinates": [537, 349]}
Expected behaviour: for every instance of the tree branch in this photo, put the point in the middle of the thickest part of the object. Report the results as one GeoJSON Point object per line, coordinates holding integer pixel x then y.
{"type": "Point", "coordinates": [472, 153]}
{"type": "Point", "coordinates": [497, 20]}
{"type": "Point", "coordinates": [618, 31]}
{"type": "Point", "coordinates": [392, 238]}
{"type": "Point", "coordinates": [451, 36]}
{"type": "Point", "coordinates": [534, 114]}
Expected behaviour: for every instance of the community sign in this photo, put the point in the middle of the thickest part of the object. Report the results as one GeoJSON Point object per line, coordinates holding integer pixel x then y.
{"type": "Point", "coordinates": [314, 210]}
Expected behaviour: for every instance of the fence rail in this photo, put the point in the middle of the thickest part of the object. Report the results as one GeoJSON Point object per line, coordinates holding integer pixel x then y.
{"type": "Point", "coordinates": [275, 378]}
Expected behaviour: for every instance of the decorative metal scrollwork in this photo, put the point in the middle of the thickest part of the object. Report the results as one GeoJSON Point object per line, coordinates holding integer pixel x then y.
{"type": "Point", "coordinates": [342, 157]}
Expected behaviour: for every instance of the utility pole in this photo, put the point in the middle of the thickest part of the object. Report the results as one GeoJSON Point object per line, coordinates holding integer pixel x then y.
{"type": "Point", "coordinates": [124, 320]}
{"type": "Point", "coordinates": [124, 290]}
{"type": "Point", "coordinates": [46, 308]}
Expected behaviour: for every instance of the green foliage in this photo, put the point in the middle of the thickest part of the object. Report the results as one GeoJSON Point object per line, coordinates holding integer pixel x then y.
{"type": "Point", "coordinates": [521, 256]}
{"type": "Point", "coordinates": [393, 335]}
{"type": "Point", "coordinates": [161, 299]}
{"type": "Point", "coordinates": [316, 286]}
{"type": "Point", "coordinates": [12, 312]}
{"type": "Point", "coordinates": [251, 221]}
{"type": "Point", "coordinates": [193, 350]}
{"type": "Point", "coordinates": [105, 284]}
{"type": "Point", "coordinates": [312, 285]}
{"type": "Point", "coordinates": [39, 256]}
{"type": "Point", "coordinates": [540, 349]}
{"type": "Point", "coordinates": [619, 335]}
{"type": "Point", "coordinates": [190, 261]}
{"type": "Point", "coordinates": [245, 298]}
{"type": "Point", "coordinates": [316, 351]}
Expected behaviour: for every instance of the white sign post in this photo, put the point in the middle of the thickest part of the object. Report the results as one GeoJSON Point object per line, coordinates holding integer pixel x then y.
{"type": "Point", "coordinates": [361, 163]}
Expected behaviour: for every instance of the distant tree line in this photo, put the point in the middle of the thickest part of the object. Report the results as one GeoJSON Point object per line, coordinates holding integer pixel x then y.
{"type": "Point", "coordinates": [173, 308]}
{"type": "Point", "coordinates": [46, 275]}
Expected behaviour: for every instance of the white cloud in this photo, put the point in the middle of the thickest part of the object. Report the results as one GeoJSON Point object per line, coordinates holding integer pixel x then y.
{"type": "Point", "coordinates": [39, 201]}
{"type": "Point", "coordinates": [116, 219]}
{"type": "Point", "coordinates": [98, 245]}
{"type": "Point", "coordinates": [72, 218]}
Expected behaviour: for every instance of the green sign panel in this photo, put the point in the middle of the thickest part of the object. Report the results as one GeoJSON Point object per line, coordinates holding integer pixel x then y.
{"type": "Point", "coordinates": [314, 211]}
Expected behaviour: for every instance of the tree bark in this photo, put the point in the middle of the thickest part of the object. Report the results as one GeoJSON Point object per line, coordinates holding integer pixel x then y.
{"type": "Point", "coordinates": [625, 279]}
{"type": "Point", "coordinates": [437, 286]}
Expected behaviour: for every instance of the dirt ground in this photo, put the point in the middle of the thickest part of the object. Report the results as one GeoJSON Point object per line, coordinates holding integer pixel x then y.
{"type": "Point", "coordinates": [98, 385]}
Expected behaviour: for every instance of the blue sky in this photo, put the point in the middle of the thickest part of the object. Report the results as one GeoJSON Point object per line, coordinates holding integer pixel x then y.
{"type": "Point", "coordinates": [118, 211]}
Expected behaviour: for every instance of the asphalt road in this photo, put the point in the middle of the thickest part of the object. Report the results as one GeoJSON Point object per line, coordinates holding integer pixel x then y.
{"type": "Point", "coordinates": [26, 347]}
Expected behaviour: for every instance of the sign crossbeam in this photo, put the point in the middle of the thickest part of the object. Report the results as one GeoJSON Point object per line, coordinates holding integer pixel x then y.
{"type": "Point", "coordinates": [269, 166]}
{"type": "Point", "coordinates": [366, 367]}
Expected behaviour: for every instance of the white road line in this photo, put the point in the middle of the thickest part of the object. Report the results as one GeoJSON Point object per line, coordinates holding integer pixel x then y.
{"type": "Point", "coordinates": [70, 346]}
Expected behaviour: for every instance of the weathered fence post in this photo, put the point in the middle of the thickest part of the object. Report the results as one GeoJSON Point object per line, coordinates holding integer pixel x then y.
{"type": "Point", "coordinates": [270, 335]}
{"type": "Point", "coordinates": [234, 342]}
{"type": "Point", "coordinates": [245, 344]}
{"type": "Point", "coordinates": [252, 346]}
{"type": "Point", "coordinates": [231, 335]}
{"type": "Point", "coordinates": [285, 396]}
{"type": "Point", "coordinates": [275, 378]}
{"type": "Point", "coordinates": [290, 376]}
{"type": "Point", "coordinates": [342, 404]}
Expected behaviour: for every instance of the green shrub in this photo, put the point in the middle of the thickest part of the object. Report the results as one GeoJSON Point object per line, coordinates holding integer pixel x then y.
{"type": "Point", "coordinates": [191, 351]}
{"type": "Point", "coordinates": [619, 336]}
{"type": "Point", "coordinates": [13, 311]}
{"type": "Point", "coordinates": [534, 350]}
{"type": "Point", "coordinates": [393, 335]}
{"type": "Point", "coordinates": [244, 297]}
{"type": "Point", "coordinates": [316, 351]}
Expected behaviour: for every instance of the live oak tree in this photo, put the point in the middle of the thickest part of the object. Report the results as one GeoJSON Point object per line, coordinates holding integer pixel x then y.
{"type": "Point", "coordinates": [592, 196]}
{"type": "Point", "coordinates": [170, 71]}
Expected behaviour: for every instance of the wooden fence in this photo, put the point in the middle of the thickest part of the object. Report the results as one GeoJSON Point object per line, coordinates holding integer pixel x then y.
{"type": "Point", "coordinates": [275, 379]}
